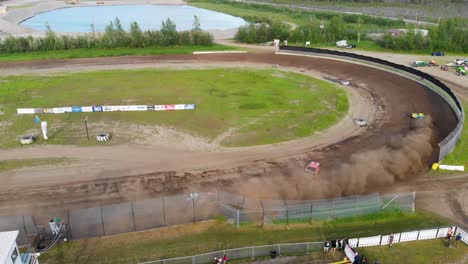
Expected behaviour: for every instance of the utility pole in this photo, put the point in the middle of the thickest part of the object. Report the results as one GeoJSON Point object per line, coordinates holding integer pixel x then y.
{"type": "Point", "coordinates": [86, 126]}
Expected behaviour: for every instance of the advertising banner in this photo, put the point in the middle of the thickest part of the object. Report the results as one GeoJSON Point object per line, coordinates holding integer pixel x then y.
{"type": "Point", "coordinates": [179, 107]}
{"type": "Point", "coordinates": [189, 107]}
{"type": "Point", "coordinates": [77, 109]}
{"type": "Point", "coordinates": [106, 108]}
{"type": "Point", "coordinates": [159, 108]}
{"type": "Point", "coordinates": [169, 107]}
{"type": "Point", "coordinates": [87, 109]}
{"type": "Point", "coordinates": [23, 111]}
{"type": "Point", "coordinates": [97, 108]}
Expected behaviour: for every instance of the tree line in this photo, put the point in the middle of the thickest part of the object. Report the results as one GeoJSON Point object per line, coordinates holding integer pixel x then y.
{"type": "Point", "coordinates": [335, 29]}
{"type": "Point", "coordinates": [449, 36]}
{"type": "Point", "coordinates": [114, 36]}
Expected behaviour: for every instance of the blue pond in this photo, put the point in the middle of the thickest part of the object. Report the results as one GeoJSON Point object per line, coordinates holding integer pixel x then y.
{"type": "Point", "coordinates": [80, 19]}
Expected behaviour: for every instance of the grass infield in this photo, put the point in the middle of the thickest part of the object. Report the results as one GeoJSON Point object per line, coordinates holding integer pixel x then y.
{"type": "Point", "coordinates": [256, 106]}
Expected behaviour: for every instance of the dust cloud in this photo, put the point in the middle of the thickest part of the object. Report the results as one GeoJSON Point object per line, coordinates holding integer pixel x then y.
{"type": "Point", "coordinates": [402, 157]}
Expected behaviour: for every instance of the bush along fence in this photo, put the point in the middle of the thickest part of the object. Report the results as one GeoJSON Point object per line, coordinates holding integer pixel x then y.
{"type": "Point", "coordinates": [114, 36]}
{"type": "Point", "coordinates": [448, 143]}
{"type": "Point", "coordinates": [309, 247]}
{"type": "Point", "coordinates": [194, 207]}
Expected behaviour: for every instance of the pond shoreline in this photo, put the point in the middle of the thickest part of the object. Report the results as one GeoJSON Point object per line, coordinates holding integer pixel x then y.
{"type": "Point", "coordinates": [21, 10]}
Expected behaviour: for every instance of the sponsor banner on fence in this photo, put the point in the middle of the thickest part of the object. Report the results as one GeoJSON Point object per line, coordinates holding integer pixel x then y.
{"type": "Point", "coordinates": [61, 110]}
{"type": "Point", "coordinates": [451, 167]}
{"type": "Point", "coordinates": [179, 107]}
{"type": "Point", "coordinates": [106, 108]}
{"type": "Point", "coordinates": [169, 107]}
{"type": "Point", "coordinates": [159, 108]}
{"type": "Point", "coordinates": [77, 109]}
{"type": "Point", "coordinates": [97, 108]}
{"type": "Point", "coordinates": [86, 109]}
{"type": "Point", "coordinates": [23, 111]}
{"type": "Point", "coordinates": [189, 107]}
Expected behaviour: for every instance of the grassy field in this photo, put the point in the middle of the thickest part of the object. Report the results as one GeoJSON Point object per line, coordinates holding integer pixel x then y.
{"type": "Point", "coordinates": [427, 10]}
{"type": "Point", "coordinates": [92, 53]}
{"type": "Point", "coordinates": [7, 165]}
{"type": "Point", "coordinates": [460, 155]}
{"type": "Point", "coordinates": [426, 251]}
{"type": "Point", "coordinates": [275, 106]}
{"type": "Point", "coordinates": [216, 235]}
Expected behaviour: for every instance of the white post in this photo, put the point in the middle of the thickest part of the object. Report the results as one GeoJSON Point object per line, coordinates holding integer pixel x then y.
{"type": "Point", "coordinates": [414, 199]}
{"type": "Point", "coordinates": [237, 216]}
{"type": "Point", "coordinates": [44, 130]}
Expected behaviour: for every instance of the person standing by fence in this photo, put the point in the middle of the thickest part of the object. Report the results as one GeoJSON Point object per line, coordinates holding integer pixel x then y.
{"type": "Point", "coordinates": [457, 239]}
{"type": "Point", "coordinates": [390, 240]}
{"type": "Point", "coordinates": [448, 238]}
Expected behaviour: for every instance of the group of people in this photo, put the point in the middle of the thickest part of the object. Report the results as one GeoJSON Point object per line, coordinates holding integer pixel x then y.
{"type": "Point", "coordinates": [332, 245]}
{"type": "Point", "coordinates": [220, 260]}
{"type": "Point", "coordinates": [449, 236]}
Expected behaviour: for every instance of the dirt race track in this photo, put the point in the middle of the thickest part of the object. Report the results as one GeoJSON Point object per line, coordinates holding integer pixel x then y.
{"type": "Point", "coordinates": [392, 151]}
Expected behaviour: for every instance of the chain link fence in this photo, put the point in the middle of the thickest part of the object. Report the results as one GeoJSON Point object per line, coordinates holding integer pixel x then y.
{"type": "Point", "coordinates": [242, 210]}
{"type": "Point", "coordinates": [310, 247]}
{"type": "Point", "coordinates": [194, 207]}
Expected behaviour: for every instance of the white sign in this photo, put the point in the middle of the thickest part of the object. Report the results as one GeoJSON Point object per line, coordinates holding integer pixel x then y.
{"type": "Point", "coordinates": [452, 167]}
{"type": "Point", "coordinates": [44, 129]}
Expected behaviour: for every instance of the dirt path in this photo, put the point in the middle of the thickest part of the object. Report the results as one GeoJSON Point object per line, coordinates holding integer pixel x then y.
{"type": "Point", "coordinates": [351, 163]}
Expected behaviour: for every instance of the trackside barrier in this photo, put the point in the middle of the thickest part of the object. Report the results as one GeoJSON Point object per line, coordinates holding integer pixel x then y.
{"type": "Point", "coordinates": [309, 247]}
{"type": "Point", "coordinates": [448, 143]}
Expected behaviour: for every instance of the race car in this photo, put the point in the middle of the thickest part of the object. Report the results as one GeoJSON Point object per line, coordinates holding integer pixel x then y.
{"type": "Point", "coordinates": [417, 115]}
{"type": "Point", "coordinates": [313, 167]}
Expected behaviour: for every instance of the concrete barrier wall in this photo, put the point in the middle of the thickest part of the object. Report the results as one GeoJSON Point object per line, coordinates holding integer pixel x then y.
{"type": "Point", "coordinates": [448, 143]}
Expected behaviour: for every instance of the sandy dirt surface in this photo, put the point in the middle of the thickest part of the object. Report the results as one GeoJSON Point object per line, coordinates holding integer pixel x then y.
{"type": "Point", "coordinates": [390, 152]}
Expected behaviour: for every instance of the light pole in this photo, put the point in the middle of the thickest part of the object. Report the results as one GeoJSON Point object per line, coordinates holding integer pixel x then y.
{"type": "Point", "coordinates": [86, 126]}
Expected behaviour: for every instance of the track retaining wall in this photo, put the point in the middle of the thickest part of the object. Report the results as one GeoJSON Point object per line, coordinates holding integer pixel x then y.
{"type": "Point", "coordinates": [449, 142]}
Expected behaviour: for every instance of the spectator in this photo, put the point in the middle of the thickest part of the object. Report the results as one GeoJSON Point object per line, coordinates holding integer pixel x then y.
{"type": "Point", "coordinates": [448, 237]}
{"type": "Point", "coordinates": [457, 239]}
{"type": "Point", "coordinates": [390, 240]}
{"type": "Point", "coordinates": [215, 260]}
{"type": "Point", "coordinates": [326, 246]}
{"type": "Point", "coordinates": [364, 260]}
{"type": "Point", "coordinates": [53, 226]}
{"type": "Point", "coordinates": [333, 245]}
{"type": "Point", "coordinates": [339, 244]}
{"type": "Point", "coordinates": [377, 262]}
{"type": "Point", "coordinates": [357, 259]}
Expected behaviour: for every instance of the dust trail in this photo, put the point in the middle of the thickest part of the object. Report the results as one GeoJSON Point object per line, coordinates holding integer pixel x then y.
{"type": "Point", "coordinates": [402, 157]}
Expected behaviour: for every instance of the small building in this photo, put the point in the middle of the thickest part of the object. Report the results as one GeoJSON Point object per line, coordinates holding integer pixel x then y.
{"type": "Point", "coordinates": [9, 253]}
{"type": "Point", "coordinates": [3, 10]}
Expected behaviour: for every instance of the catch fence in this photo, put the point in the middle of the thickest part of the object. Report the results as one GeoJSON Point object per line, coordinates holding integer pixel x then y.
{"type": "Point", "coordinates": [448, 143]}
{"type": "Point", "coordinates": [247, 210]}
{"type": "Point", "coordinates": [195, 207]}
{"type": "Point", "coordinates": [309, 247]}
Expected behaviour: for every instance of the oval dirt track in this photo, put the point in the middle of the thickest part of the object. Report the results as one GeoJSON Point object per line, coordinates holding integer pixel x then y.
{"type": "Point", "coordinates": [391, 146]}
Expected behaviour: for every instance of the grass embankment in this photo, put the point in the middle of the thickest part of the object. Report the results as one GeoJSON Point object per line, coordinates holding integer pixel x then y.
{"type": "Point", "coordinates": [427, 251]}
{"type": "Point", "coordinates": [95, 52]}
{"type": "Point", "coordinates": [459, 156]}
{"type": "Point", "coordinates": [259, 106]}
{"type": "Point", "coordinates": [211, 236]}
{"type": "Point", "coordinates": [7, 165]}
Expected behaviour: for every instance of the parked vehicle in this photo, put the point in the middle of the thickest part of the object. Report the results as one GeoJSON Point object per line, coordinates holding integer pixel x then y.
{"type": "Point", "coordinates": [438, 53]}
{"type": "Point", "coordinates": [417, 115]}
{"type": "Point", "coordinates": [419, 64]}
{"type": "Point", "coordinates": [313, 167]}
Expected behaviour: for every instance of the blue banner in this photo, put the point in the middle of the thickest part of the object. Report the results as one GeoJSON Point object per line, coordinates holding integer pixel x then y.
{"type": "Point", "coordinates": [189, 107]}
{"type": "Point", "coordinates": [77, 109]}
